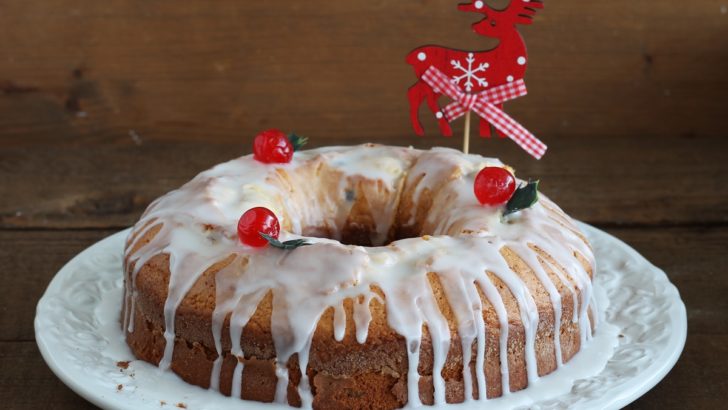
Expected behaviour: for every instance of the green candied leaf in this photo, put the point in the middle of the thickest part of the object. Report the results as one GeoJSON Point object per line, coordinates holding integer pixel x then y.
{"type": "Point", "coordinates": [287, 245]}
{"type": "Point", "coordinates": [293, 244]}
{"type": "Point", "coordinates": [523, 198]}
{"type": "Point", "coordinates": [297, 141]}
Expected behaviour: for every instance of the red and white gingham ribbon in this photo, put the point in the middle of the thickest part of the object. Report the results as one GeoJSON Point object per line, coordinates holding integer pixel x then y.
{"type": "Point", "coordinates": [484, 104]}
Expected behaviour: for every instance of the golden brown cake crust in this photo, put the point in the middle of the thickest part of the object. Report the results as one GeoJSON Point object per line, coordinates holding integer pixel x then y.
{"type": "Point", "coordinates": [344, 374]}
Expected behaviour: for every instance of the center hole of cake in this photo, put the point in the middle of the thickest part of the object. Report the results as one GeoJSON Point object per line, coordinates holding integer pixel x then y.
{"type": "Point", "coordinates": [363, 219]}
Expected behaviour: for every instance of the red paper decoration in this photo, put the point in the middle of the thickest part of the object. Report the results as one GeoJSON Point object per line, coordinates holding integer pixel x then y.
{"type": "Point", "coordinates": [474, 71]}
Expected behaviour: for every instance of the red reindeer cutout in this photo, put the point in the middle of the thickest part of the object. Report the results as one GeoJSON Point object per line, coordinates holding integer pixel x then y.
{"type": "Point", "coordinates": [474, 71]}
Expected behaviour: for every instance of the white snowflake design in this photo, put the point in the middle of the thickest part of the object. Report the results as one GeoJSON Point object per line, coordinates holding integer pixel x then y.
{"type": "Point", "coordinates": [469, 73]}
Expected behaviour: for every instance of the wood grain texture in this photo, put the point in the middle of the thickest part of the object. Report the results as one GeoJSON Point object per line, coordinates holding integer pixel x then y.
{"type": "Point", "coordinates": [27, 383]}
{"type": "Point", "coordinates": [28, 262]}
{"type": "Point", "coordinates": [698, 380]}
{"type": "Point", "coordinates": [106, 105]}
{"type": "Point", "coordinates": [200, 70]}
{"type": "Point", "coordinates": [614, 181]}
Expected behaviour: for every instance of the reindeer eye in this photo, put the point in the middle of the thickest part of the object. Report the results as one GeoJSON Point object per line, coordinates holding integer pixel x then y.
{"type": "Point", "coordinates": [492, 23]}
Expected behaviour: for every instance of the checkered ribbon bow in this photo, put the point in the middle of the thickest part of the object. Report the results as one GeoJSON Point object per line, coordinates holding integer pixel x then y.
{"type": "Point", "coordinates": [484, 104]}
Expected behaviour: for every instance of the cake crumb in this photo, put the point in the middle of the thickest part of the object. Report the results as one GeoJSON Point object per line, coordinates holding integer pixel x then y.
{"type": "Point", "coordinates": [181, 405]}
{"type": "Point", "coordinates": [162, 403]}
{"type": "Point", "coordinates": [123, 365]}
{"type": "Point", "coordinates": [119, 387]}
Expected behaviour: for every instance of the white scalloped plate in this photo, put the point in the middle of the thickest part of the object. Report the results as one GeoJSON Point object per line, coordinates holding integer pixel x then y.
{"type": "Point", "coordinates": [78, 332]}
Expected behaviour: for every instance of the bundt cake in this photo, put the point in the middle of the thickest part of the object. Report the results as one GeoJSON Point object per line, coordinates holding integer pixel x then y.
{"type": "Point", "coordinates": [410, 291]}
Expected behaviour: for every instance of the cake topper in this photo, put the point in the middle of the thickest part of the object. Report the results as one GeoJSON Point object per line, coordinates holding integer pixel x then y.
{"type": "Point", "coordinates": [479, 81]}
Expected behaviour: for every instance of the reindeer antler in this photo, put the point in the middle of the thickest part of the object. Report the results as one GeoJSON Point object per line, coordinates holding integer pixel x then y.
{"type": "Point", "coordinates": [524, 9]}
{"type": "Point", "coordinates": [519, 11]}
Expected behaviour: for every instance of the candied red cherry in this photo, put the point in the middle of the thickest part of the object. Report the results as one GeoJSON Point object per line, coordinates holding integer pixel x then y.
{"type": "Point", "coordinates": [494, 186]}
{"type": "Point", "coordinates": [253, 222]}
{"type": "Point", "coordinates": [272, 147]}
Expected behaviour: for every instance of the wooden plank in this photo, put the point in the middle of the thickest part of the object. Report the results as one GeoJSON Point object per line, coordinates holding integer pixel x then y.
{"type": "Point", "coordinates": [105, 106]}
{"type": "Point", "coordinates": [692, 257]}
{"type": "Point", "coordinates": [26, 382]}
{"type": "Point", "coordinates": [694, 260]}
{"type": "Point", "coordinates": [608, 181]}
{"type": "Point", "coordinates": [28, 262]}
{"type": "Point", "coordinates": [698, 380]}
{"type": "Point", "coordinates": [204, 71]}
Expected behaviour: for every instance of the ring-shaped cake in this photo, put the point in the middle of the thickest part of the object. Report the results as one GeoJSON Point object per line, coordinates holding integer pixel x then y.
{"type": "Point", "coordinates": [410, 290]}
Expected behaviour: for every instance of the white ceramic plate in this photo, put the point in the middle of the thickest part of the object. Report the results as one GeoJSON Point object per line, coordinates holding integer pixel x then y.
{"type": "Point", "coordinates": [78, 332]}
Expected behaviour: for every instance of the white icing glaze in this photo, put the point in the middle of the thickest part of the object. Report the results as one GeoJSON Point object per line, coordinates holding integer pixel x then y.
{"type": "Point", "coordinates": [197, 229]}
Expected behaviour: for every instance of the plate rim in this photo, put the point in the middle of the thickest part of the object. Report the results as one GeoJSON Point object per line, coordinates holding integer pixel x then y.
{"type": "Point", "coordinates": [43, 344]}
{"type": "Point", "coordinates": [677, 345]}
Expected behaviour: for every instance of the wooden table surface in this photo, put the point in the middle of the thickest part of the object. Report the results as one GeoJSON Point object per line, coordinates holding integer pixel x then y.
{"type": "Point", "coordinates": [106, 105]}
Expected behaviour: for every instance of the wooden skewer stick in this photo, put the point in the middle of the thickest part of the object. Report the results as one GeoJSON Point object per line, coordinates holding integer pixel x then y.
{"type": "Point", "coordinates": [466, 135]}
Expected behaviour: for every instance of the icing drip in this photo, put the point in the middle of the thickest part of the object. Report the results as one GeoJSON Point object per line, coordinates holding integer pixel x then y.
{"type": "Point", "coordinates": [469, 251]}
{"type": "Point", "coordinates": [491, 292]}
{"type": "Point", "coordinates": [363, 316]}
{"type": "Point", "coordinates": [239, 318]}
{"type": "Point", "coordinates": [227, 297]}
{"type": "Point", "coordinates": [339, 323]}
{"type": "Point", "coordinates": [413, 375]}
{"type": "Point", "coordinates": [480, 334]}
{"type": "Point", "coordinates": [466, 314]}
